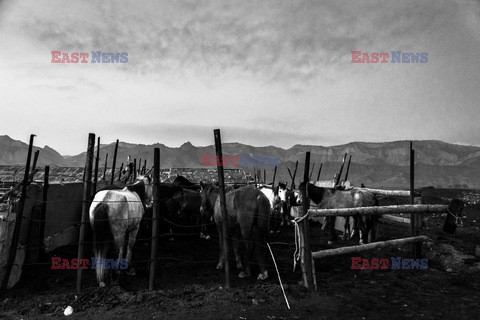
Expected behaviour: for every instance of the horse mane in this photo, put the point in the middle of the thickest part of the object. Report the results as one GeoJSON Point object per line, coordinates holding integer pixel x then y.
{"type": "Point", "coordinates": [315, 193]}
{"type": "Point", "coordinates": [182, 181]}
{"type": "Point", "coordinates": [108, 188]}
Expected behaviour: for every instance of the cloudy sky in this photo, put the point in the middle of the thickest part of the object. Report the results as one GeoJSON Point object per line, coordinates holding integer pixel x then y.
{"type": "Point", "coordinates": [266, 72]}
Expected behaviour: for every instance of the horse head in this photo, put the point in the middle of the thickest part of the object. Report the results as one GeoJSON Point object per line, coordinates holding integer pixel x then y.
{"type": "Point", "coordinates": [206, 207]}
{"type": "Point", "coordinates": [281, 191]}
{"type": "Point", "coordinates": [147, 196]}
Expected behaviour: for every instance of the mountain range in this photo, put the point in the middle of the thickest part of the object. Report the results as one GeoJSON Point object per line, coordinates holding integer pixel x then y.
{"type": "Point", "coordinates": [386, 164]}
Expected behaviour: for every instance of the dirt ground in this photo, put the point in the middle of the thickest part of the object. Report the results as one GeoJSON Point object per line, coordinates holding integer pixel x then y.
{"type": "Point", "coordinates": [189, 286]}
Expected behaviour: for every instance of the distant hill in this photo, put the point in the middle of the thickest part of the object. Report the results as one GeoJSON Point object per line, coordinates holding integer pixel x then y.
{"type": "Point", "coordinates": [14, 152]}
{"type": "Point", "coordinates": [384, 164]}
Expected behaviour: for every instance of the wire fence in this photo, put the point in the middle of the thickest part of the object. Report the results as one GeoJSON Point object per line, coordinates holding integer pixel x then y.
{"type": "Point", "coordinates": [169, 219]}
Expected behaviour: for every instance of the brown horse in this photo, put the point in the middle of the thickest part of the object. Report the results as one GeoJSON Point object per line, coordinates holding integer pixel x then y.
{"type": "Point", "coordinates": [248, 216]}
{"type": "Point", "coordinates": [331, 198]}
{"type": "Point", "coordinates": [208, 196]}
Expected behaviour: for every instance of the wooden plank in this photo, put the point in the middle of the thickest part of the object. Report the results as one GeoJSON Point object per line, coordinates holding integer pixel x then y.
{"type": "Point", "coordinates": [369, 246]}
{"type": "Point", "coordinates": [86, 204]}
{"type": "Point", "coordinates": [223, 207]}
{"type": "Point", "coordinates": [390, 217]}
{"type": "Point", "coordinates": [406, 208]}
{"type": "Point", "coordinates": [18, 221]}
{"type": "Point", "coordinates": [155, 216]}
{"type": "Point", "coordinates": [382, 192]}
{"type": "Point", "coordinates": [114, 162]}
{"type": "Point", "coordinates": [304, 234]}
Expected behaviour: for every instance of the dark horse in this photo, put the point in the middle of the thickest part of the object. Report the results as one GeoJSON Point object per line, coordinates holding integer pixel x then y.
{"type": "Point", "coordinates": [181, 181]}
{"type": "Point", "coordinates": [183, 208]}
{"type": "Point", "coordinates": [331, 198]}
{"type": "Point", "coordinates": [248, 216]}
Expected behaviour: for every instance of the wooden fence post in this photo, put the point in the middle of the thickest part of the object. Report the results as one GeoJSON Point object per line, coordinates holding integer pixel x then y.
{"type": "Point", "coordinates": [134, 169]}
{"type": "Point", "coordinates": [35, 159]}
{"type": "Point", "coordinates": [319, 171]}
{"type": "Point", "coordinates": [274, 176]}
{"type": "Point", "coordinates": [97, 160]}
{"type": "Point", "coordinates": [415, 218]}
{"type": "Point", "coordinates": [18, 221]}
{"type": "Point", "coordinates": [304, 226]}
{"type": "Point", "coordinates": [120, 172]}
{"type": "Point", "coordinates": [37, 224]}
{"type": "Point", "coordinates": [85, 204]}
{"type": "Point", "coordinates": [114, 162]}
{"type": "Point", "coordinates": [294, 175]}
{"type": "Point", "coordinates": [348, 168]}
{"type": "Point", "coordinates": [155, 215]}
{"type": "Point", "coordinates": [105, 168]}
{"type": "Point", "coordinates": [223, 206]}
{"type": "Point", "coordinates": [341, 169]}
{"type": "Point", "coordinates": [43, 215]}
{"type": "Point", "coordinates": [311, 172]}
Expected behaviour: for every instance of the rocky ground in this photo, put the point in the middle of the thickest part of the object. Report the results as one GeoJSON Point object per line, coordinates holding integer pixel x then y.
{"type": "Point", "coordinates": [189, 286]}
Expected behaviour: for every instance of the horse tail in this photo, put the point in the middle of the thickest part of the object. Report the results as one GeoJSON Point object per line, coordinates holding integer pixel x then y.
{"type": "Point", "coordinates": [101, 237]}
{"type": "Point", "coordinates": [262, 219]}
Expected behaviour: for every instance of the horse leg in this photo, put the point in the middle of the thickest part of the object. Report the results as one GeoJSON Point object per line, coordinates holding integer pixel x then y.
{"type": "Point", "coordinates": [236, 248]}
{"type": "Point", "coordinates": [220, 245]}
{"type": "Point", "coordinates": [262, 255]}
{"type": "Point", "coordinates": [331, 227]}
{"type": "Point", "coordinates": [362, 230]}
{"type": "Point", "coordinates": [373, 233]}
{"type": "Point", "coordinates": [248, 253]}
{"type": "Point", "coordinates": [131, 242]}
{"type": "Point", "coordinates": [346, 228]}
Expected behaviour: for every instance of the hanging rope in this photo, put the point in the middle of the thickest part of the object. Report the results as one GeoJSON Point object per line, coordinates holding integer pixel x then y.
{"type": "Point", "coordinates": [296, 254]}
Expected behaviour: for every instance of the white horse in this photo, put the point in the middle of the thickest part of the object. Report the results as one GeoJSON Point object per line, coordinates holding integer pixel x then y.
{"type": "Point", "coordinates": [114, 212]}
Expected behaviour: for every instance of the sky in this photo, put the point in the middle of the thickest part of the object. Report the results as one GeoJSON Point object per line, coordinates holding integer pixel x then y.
{"type": "Point", "coordinates": [271, 72]}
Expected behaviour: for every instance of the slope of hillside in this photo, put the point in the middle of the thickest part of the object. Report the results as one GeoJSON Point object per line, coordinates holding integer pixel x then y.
{"type": "Point", "coordinates": [14, 152]}
{"type": "Point", "coordinates": [385, 164]}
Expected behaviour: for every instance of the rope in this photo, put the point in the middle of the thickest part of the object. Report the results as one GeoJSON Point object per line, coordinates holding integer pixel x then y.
{"type": "Point", "coordinates": [458, 220]}
{"type": "Point", "coordinates": [296, 254]}
{"type": "Point", "coordinates": [278, 274]}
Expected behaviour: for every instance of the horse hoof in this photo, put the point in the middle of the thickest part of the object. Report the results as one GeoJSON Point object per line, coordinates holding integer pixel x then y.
{"type": "Point", "coordinates": [131, 272]}
{"type": "Point", "coordinates": [278, 231]}
{"type": "Point", "coordinates": [243, 275]}
{"type": "Point", "coordinates": [219, 266]}
{"type": "Point", "coordinates": [330, 242]}
{"type": "Point", "coordinates": [239, 266]}
{"type": "Point", "coordinates": [207, 237]}
{"type": "Point", "coordinates": [102, 284]}
{"type": "Point", "coordinates": [263, 276]}
{"type": "Point", "coordinates": [360, 242]}
{"type": "Point", "coordinates": [271, 231]}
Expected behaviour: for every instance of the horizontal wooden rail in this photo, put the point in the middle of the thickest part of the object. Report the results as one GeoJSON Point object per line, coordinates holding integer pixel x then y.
{"type": "Point", "coordinates": [18, 186]}
{"type": "Point", "coordinates": [400, 193]}
{"type": "Point", "coordinates": [369, 246]}
{"type": "Point", "coordinates": [406, 208]}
